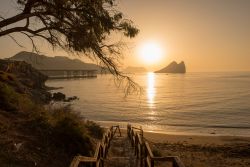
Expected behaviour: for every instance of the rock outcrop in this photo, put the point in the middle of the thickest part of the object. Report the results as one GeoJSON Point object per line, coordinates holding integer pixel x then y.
{"type": "Point", "coordinates": [23, 79]}
{"type": "Point", "coordinates": [25, 73]}
{"type": "Point", "coordinates": [173, 68]}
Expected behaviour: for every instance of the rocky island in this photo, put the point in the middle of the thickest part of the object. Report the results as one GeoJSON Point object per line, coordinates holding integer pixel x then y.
{"type": "Point", "coordinates": [173, 68]}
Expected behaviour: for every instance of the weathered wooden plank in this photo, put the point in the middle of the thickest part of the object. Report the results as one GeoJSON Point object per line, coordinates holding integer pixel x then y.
{"type": "Point", "coordinates": [97, 150]}
{"type": "Point", "coordinates": [139, 139]}
{"type": "Point", "coordinates": [148, 150]}
{"type": "Point", "coordinates": [177, 162]}
{"type": "Point", "coordinates": [74, 162]}
{"type": "Point", "coordinates": [148, 161]}
{"type": "Point", "coordinates": [86, 159]}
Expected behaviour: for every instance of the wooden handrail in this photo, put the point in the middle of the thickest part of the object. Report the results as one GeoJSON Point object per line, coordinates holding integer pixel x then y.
{"type": "Point", "coordinates": [148, 150]}
{"type": "Point", "coordinates": [100, 152]}
{"type": "Point", "coordinates": [143, 150]}
{"type": "Point", "coordinates": [177, 162]}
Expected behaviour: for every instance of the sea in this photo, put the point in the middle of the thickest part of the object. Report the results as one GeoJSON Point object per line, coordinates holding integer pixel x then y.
{"type": "Point", "coordinates": [201, 103]}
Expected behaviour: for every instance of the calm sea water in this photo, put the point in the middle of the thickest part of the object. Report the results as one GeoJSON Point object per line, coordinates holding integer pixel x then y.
{"type": "Point", "coordinates": [193, 103]}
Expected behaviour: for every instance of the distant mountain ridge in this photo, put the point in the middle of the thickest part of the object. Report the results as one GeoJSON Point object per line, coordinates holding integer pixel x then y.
{"type": "Point", "coordinates": [42, 62]}
{"type": "Point", "coordinates": [174, 68]}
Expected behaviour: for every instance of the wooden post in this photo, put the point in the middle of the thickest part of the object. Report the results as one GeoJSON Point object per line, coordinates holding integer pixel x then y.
{"type": "Point", "coordinates": [135, 149]}
{"type": "Point", "coordinates": [177, 162]}
{"type": "Point", "coordinates": [141, 156]}
{"type": "Point", "coordinates": [120, 131]}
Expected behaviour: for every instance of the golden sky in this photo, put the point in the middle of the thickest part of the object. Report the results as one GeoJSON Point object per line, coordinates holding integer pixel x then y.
{"type": "Point", "coordinates": [209, 35]}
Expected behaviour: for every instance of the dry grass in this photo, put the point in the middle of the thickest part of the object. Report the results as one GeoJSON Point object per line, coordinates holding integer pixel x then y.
{"type": "Point", "coordinates": [31, 135]}
{"type": "Point", "coordinates": [45, 138]}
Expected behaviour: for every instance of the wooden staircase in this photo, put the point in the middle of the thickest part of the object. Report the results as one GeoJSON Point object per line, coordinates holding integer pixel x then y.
{"type": "Point", "coordinates": [124, 150]}
{"type": "Point", "coordinates": [121, 153]}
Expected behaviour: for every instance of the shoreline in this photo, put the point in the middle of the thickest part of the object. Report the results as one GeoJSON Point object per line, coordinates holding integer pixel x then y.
{"type": "Point", "coordinates": [201, 151]}
{"type": "Point", "coordinates": [161, 138]}
{"type": "Point", "coordinates": [194, 139]}
{"type": "Point", "coordinates": [154, 130]}
{"type": "Point", "coordinates": [50, 88]}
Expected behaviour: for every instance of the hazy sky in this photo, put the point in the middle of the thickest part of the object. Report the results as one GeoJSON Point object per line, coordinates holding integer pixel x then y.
{"type": "Point", "coordinates": [209, 35]}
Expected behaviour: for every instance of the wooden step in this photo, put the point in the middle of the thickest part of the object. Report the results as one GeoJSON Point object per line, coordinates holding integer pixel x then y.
{"type": "Point", "coordinates": [121, 162]}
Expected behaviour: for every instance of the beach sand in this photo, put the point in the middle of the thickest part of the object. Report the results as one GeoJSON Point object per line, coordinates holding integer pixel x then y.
{"type": "Point", "coordinates": [202, 151]}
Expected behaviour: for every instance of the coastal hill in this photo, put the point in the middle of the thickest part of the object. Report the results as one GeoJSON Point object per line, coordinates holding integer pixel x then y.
{"type": "Point", "coordinates": [42, 62]}
{"type": "Point", "coordinates": [131, 69]}
{"type": "Point", "coordinates": [173, 68]}
{"type": "Point", "coordinates": [34, 135]}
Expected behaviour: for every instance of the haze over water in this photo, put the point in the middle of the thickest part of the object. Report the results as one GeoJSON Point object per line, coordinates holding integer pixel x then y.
{"type": "Point", "coordinates": [194, 103]}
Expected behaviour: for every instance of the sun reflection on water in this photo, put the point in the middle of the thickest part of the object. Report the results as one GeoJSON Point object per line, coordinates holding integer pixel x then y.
{"type": "Point", "coordinates": [151, 89]}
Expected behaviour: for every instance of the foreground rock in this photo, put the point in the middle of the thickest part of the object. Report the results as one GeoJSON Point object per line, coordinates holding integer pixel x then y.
{"type": "Point", "coordinates": [173, 68]}
{"type": "Point", "coordinates": [58, 96]}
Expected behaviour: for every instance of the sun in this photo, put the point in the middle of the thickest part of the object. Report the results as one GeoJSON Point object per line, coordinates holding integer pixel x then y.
{"type": "Point", "coordinates": [150, 52]}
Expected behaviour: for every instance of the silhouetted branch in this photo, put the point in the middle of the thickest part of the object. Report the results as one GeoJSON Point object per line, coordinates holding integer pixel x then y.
{"type": "Point", "coordinates": [34, 48]}
{"type": "Point", "coordinates": [2, 18]}
{"type": "Point", "coordinates": [79, 26]}
{"type": "Point", "coordinates": [15, 41]}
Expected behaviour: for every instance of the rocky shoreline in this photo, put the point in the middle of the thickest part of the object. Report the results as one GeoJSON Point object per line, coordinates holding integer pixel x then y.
{"type": "Point", "coordinates": [23, 78]}
{"type": "Point", "coordinates": [32, 134]}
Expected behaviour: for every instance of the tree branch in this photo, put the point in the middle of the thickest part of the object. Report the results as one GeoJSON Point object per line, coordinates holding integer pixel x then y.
{"type": "Point", "coordinates": [34, 48]}
{"type": "Point", "coordinates": [79, 26]}
{"type": "Point", "coordinates": [15, 41]}
{"type": "Point", "coordinates": [12, 30]}
{"type": "Point", "coordinates": [17, 18]}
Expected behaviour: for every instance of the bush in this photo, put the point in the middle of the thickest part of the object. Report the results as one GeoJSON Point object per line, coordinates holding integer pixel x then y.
{"type": "Point", "coordinates": [72, 136]}
{"type": "Point", "coordinates": [64, 130]}
{"type": "Point", "coordinates": [156, 152]}
{"type": "Point", "coordinates": [48, 137]}
{"type": "Point", "coordinates": [53, 137]}
{"type": "Point", "coordinates": [94, 129]}
{"type": "Point", "coordinates": [8, 98]}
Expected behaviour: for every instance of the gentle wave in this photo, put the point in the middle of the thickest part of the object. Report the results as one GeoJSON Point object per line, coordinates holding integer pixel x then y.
{"type": "Point", "coordinates": [192, 103]}
{"type": "Point", "coordinates": [211, 126]}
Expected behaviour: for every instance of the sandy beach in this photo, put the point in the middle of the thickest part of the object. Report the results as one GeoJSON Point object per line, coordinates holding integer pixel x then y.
{"type": "Point", "coordinates": [202, 151]}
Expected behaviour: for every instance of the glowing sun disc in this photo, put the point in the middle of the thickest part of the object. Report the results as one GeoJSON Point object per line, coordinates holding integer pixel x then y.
{"type": "Point", "coordinates": [150, 52]}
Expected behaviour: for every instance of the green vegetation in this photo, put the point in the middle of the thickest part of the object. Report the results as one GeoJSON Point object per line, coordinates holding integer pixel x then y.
{"type": "Point", "coordinates": [8, 97]}
{"type": "Point", "coordinates": [31, 135]}
{"type": "Point", "coordinates": [94, 129]}
{"type": "Point", "coordinates": [156, 152]}
{"type": "Point", "coordinates": [12, 94]}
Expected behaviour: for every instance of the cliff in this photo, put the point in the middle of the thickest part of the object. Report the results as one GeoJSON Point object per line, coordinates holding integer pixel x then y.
{"type": "Point", "coordinates": [173, 68]}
